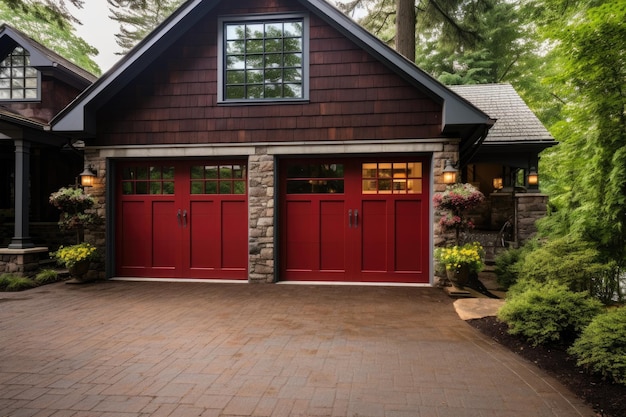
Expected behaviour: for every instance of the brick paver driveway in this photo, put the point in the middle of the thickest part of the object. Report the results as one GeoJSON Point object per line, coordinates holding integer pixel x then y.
{"type": "Point", "coordinates": [192, 349]}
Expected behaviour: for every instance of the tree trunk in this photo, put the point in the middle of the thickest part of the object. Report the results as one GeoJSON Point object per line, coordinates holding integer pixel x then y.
{"type": "Point", "coordinates": [405, 28]}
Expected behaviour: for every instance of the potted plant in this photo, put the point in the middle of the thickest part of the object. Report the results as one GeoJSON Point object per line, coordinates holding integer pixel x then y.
{"type": "Point", "coordinates": [453, 203]}
{"type": "Point", "coordinates": [74, 203]}
{"type": "Point", "coordinates": [461, 261]}
{"type": "Point", "coordinates": [76, 258]}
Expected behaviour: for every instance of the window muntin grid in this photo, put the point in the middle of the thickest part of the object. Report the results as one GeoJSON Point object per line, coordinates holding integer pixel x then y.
{"type": "Point", "coordinates": [148, 180]}
{"type": "Point", "coordinates": [218, 179]}
{"type": "Point", "coordinates": [18, 80]}
{"type": "Point", "coordinates": [391, 178]}
{"type": "Point", "coordinates": [264, 60]}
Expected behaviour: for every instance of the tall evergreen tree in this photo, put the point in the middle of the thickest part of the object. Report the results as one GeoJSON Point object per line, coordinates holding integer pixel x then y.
{"type": "Point", "coordinates": [137, 22]}
{"type": "Point", "coordinates": [586, 174]}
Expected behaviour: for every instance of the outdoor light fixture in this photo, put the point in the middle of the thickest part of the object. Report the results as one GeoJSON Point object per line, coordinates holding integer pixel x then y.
{"type": "Point", "coordinates": [449, 172]}
{"type": "Point", "coordinates": [87, 177]}
{"type": "Point", "coordinates": [497, 183]}
{"type": "Point", "coordinates": [533, 177]}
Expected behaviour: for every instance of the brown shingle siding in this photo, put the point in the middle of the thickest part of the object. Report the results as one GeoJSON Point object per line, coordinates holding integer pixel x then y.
{"type": "Point", "coordinates": [352, 96]}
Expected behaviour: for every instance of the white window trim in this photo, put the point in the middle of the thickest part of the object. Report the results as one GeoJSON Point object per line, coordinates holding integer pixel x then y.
{"type": "Point", "coordinates": [262, 18]}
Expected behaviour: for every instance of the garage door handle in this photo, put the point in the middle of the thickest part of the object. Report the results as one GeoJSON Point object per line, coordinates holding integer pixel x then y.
{"type": "Point", "coordinates": [178, 218]}
{"type": "Point", "coordinates": [356, 218]}
{"type": "Point", "coordinates": [350, 218]}
{"type": "Point", "coordinates": [184, 218]}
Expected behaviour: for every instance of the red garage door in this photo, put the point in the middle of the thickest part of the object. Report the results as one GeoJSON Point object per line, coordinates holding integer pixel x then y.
{"type": "Point", "coordinates": [182, 220]}
{"type": "Point", "coordinates": [355, 220]}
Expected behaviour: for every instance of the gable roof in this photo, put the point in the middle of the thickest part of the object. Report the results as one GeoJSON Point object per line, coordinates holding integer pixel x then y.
{"type": "Point", "coordinates": [45, 60]}
{"type": "Point", "coordinates": [516, 123]}
{"type": "Point", "coordinates": [460, 118]}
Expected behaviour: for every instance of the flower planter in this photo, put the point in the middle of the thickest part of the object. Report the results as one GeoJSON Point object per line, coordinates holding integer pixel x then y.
{"type": "Point", "coordinates": [459, 277]}
{"type": "Point", "coordinates": [79, 269]}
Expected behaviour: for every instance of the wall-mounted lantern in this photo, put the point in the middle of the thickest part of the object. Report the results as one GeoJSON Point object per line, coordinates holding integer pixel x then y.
{"type": "Point", "coordinates": [497, 183]}
{"type": "Point", "coordinates": [87, 177]}
{"type": "Point", "coordinates": [449, 172]}
{"type": "Point", "coordinates": [533, 176]}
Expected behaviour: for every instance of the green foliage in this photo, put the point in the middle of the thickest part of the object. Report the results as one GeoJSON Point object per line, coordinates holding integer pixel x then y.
{"type": "Point", "coordinates": [506, 266]}
{"type": "Point", "coordinates": [53, 29]}
{"type": "Point", "coordinates": [46, 276]}
{"type": "Point", "coordinates": [11, 282]}
{"type": "Point", "coordinates": [548, 313]}
{"type": "Point", "coordinates": [601, 347]}
{"type": "Point", "coordinates": [138, 20]}
{"type": "Point", "coordinates": [586, 174]}
{"type": "Point", "coordinates": [568, 261]}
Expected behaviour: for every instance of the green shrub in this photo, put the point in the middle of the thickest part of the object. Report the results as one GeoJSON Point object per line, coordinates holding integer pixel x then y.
{"type": "Point", "coordinates": [46, 276]}
{"type": "Point", "coordinates": [568, 261]}
{"type": "Point", "coordinates": [505, 267]}
{"type": "Point", "coordinates": [601, 347]}
{"type": "Point", "coordinates": [11, 282]}
{"type": "Point", "coordinates": [548, 313]}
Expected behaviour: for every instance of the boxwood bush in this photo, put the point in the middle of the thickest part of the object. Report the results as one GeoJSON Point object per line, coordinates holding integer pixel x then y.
{"type": "Point", "coordinates": [547, 313]}
{"type": "Point", "coordinates": [601, 347]}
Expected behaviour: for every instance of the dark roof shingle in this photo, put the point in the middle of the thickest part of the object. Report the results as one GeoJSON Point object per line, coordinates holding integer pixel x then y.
{"type": "Point", "coordinates": [515, 120]}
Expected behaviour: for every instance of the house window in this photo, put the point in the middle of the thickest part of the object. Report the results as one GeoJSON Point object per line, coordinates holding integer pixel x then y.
{"type": "Point", "coordinates": [18, 80]}
{"type": "Point", "coordinates": [264, 59]}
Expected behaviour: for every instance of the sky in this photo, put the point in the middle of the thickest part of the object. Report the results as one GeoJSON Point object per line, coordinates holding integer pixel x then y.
{"type": "Point", "coordinates": [98, 30]}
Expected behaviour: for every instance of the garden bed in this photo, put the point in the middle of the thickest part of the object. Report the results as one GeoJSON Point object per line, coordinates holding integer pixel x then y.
{"type": "Point", "coordinates": [608, 399]}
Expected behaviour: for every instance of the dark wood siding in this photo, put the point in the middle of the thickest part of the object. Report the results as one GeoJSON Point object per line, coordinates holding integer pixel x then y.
{"type": "Point", "coordinates": [352, 96]}
{"type": "Point", "coordinates": [55, 95]}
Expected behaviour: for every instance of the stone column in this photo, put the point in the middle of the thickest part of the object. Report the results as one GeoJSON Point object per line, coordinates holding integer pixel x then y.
{"type": "Point", "coordinates": [21, 238]}
{"type": "Point", "coordinates": [261, 217]}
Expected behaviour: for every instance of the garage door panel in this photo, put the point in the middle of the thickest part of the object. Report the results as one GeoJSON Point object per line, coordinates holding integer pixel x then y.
{"type": "Point", "coordinates": [408, 228]}
{"type": "Point", "coordinates": [234, 235]}
{"type": "Point", "coordinates": [165, 235]}
{"type": "Point", "coordinates": [374, 236]}
{"type": "Point", "coordinates": [134, 235]}
{"type": "Point", "coordinates": [301, 237]}
{"type": "Point", "coordinates": [182, 219]}
{"type": "Point", "coordinates": [332, 236]}
{"type": "Point", "coordinates": [204, 231]}
{"type": "Point", "coordinates": [374, 228]}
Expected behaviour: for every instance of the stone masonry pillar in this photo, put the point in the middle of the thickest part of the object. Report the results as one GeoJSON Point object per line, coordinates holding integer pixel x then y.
{"type": "Point", "coordinates": [261, 184]}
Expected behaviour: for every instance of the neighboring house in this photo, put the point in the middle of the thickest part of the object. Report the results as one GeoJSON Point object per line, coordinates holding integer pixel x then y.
{"type": "Point", "coordinates": [35, 84]}
{"type": "Point", "coordinates": [269, 141]}
{"type": "Point", "coordinates": [501, 165]}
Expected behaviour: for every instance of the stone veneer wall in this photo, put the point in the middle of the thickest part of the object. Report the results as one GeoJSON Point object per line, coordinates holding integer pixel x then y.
{"type": "Point", "coordinates": [97, 235]}
{"type": "Point", "coordinates": [450, 151]}
{"type": "Point", "coordinates": [261, 173]}
{"type": "Point", "coordinates": [530, 208]}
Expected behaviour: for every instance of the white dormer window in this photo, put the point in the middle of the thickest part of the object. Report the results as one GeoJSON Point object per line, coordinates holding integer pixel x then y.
{"type": "Point", "coordinates": [18, 80]}
{"type": "Point", "coordinates": [264, 58]}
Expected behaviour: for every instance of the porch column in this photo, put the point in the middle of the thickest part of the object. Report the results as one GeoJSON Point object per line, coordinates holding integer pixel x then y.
{"type": "Point", "coordinates": [21, 238]}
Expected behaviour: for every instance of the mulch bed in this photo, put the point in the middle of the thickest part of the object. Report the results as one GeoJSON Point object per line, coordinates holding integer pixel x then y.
{"type": "Point", "coordinates": [607, 399]}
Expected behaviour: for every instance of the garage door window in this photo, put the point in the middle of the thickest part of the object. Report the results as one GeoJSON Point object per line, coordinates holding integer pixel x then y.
{"type": "Point", "coordinates": [148, 180]}
{"type": "Point", "coordinates": [391, 178]}
{"type": "Point", "coordinates": [218, 179]}
{"type": "Point", "coordinates": [315, 179]}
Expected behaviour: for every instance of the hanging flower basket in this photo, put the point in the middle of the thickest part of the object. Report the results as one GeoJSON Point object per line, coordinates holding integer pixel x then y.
{"type": "Point", "coordinates": [458, 198]}
{"type": "Point", "coordinates": [72, 200]}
